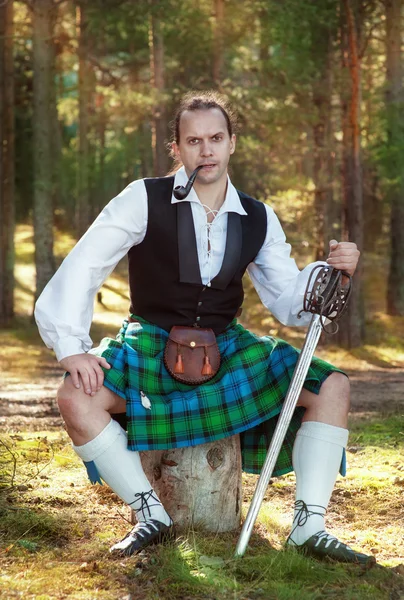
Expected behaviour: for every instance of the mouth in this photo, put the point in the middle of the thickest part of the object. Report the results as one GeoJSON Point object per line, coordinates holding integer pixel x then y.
{"type": "Point", "coordinates": [208, 166]}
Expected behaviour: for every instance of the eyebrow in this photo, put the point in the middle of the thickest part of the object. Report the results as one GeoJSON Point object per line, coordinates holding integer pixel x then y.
{"type": "Point", "coordinates": [196, 137]}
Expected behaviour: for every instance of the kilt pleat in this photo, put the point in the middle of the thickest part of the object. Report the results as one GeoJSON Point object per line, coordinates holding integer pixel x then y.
{"type": "Point", "coordinates": [245, 396]}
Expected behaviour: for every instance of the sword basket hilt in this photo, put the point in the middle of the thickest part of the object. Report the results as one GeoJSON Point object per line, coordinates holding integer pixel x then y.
{"type": "Point", "coordinates": [327, 293]}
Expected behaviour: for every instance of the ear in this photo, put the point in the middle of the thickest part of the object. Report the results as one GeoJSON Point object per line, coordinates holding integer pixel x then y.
{"type": "Point", "coordinates": [175, 149]}
{"type": "Point", "coordinates": [232, 144]}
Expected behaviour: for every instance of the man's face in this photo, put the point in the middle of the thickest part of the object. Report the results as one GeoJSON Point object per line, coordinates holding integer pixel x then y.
{"type": "Point", "coordinates": [205, 140]}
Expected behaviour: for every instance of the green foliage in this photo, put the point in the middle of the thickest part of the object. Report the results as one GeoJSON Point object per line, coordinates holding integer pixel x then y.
{"type": "Point", "coordinates": [300, 36]}
{"type": "Point", "coordinates": [388, 431]}
{"type": "Point", "coordinates": [36, 452]}
{"type": "Point", "coordinates": [276, 57]}
{"type": "Point", "coordinates": [389, 154]}
{"type": "Point", "coordinates": [30, 529]}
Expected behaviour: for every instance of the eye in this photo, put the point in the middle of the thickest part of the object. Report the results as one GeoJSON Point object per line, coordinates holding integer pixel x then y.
{"type": "Point", "coordinates": [217, 138]}
{"type": "Point", "coordinates": [193, 141]}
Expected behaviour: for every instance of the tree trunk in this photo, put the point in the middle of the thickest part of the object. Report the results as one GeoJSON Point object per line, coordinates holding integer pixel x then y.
{"type": "Point", "coordinates": [395, 132]}
{"type": "Point", "coordinates": [373, 206]}
{"type": "Point", "coordinates": [319, 176]}
{"type": "Point", "coordinates": [352, 325]}
{"type": "Point", "coordinates": [146, 158]}
{"type": "Point", "coordinates": [322, 91]}
{"type": "Point", "coordinates": [218, 46]}
{"type": "Point", "coordinates": [102, 129]}
{"type": "Point", "coordinates": [42, 128]}
{"type": "Point", "coordinates": [332, 217]}
{"type": "Point", "coordinates": [56, 130]}
{"type": "Point", "coordinates": [159, 122]}
{"type": "Point", "coordinates": [199, 486]}
{"type": "Point", "coordinates": [83, 179]}
{"type": "Point", "coordinates": [7, 207]}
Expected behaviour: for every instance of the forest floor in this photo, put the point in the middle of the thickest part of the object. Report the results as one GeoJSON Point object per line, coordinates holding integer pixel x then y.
{"type": "Point", "coordinates": [55, 528]}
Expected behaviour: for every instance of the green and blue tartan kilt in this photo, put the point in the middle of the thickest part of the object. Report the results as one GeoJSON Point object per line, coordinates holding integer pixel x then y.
{"type": "Point", "coordinates": [245, 396]}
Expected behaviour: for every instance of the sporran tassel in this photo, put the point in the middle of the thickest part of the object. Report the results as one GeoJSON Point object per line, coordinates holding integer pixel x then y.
{"type": "Point", "coordinates": [207, 367]}
{"type": "Point", "coordinates": [179, 367]}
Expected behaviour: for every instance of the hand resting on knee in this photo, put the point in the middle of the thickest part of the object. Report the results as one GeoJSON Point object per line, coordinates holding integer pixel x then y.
{"type": "Point", "coordinates": [88, 367]}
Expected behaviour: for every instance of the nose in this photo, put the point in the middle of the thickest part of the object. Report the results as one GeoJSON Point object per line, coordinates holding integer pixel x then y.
{"type": "Point", "coordinates": [206, 149]}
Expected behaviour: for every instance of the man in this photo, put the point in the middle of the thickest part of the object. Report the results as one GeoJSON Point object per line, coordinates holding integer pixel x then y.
{"type": "Point", "coordinates": [186, 262]}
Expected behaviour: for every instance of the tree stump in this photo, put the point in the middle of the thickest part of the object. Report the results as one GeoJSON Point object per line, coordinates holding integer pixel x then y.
{"type": "Point", "coordinates": [199, 486]}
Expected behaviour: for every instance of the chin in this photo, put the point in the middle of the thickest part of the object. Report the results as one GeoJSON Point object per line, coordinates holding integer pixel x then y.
{"type": "Point", "coordinates": [209, 177]}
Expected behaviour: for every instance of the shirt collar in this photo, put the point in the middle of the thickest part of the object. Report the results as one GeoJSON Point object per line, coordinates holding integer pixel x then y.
{"type": "Point", "coordinates": [231, 203]}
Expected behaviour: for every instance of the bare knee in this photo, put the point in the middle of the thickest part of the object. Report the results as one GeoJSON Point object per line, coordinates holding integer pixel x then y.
{"type": "Point", "coordinates": [338, 389]}
{"type": "Point", "coordinates": [332, 403]}
{"type": "Point", "coordinates": [73, 403]}
{"type": "Point", "coordinates": [83, 413]}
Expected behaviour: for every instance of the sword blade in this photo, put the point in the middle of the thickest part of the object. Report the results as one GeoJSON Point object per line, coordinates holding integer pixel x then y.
{"type": "Point", "coordinates": [289, 405]}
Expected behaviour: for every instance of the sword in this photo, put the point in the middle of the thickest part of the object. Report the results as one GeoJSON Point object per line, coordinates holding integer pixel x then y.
{"type": "Point", "coordinates": [326, 297]}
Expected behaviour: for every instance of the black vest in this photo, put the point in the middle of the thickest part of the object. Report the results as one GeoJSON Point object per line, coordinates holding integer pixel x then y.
{"type": "Point", "coordinates": [164, 277]}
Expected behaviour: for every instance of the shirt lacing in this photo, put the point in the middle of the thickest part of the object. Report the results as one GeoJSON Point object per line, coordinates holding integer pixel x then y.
{"type": "Point", "coordinates": [207, 231]}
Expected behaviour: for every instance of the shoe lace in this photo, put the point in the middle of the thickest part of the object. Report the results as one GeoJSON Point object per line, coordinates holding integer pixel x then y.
{"type": "Point", "coordinates": [144, 498]}
{"type": "Point", "coordinates": [303, 513]}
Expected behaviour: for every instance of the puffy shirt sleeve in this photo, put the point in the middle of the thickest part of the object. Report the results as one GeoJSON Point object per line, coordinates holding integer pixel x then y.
{"type": "Point", "coordinates": [276, 277]}
{"type": "Point", "coordinates": [64, 310]}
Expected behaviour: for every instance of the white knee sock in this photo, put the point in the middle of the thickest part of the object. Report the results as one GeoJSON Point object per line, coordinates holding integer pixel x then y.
{"type": "Point", "coordinates": [317, 455]}
{"type": "Point", "coordinates": [122, 470]}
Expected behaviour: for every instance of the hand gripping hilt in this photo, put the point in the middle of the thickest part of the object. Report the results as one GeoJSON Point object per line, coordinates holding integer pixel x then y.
{"type": "Point", "coordinates": [327, 295]}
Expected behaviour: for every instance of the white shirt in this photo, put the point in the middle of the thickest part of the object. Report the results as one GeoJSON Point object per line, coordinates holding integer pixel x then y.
{"type": "Point", "coordinates": [64, 311]}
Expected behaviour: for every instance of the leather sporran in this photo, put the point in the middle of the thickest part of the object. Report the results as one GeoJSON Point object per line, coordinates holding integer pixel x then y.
{"type": "Point", "coordinates": [191, 354]}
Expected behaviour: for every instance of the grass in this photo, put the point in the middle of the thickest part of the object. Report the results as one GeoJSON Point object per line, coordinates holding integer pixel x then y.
{"type": "Point", "coordinates": [55, 528]}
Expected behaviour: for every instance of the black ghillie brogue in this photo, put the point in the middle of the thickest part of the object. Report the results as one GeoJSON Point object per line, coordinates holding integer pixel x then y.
{"type": "Point", "coordinates": [143, 535]}
{"type": "Point", "coordinates": [323, 545]}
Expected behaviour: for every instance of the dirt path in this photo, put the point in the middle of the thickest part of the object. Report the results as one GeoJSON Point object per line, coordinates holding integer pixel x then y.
{"type": "Point", "coordinates": [32, 406]}
{"type": "Point", "coordinates": [377, 390]}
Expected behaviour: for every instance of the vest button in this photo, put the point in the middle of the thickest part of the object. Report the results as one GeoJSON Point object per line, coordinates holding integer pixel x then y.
{"type": "Point", "coordinates": [199, 303]}
{"type": "Point", "coordinates": [198, 319]}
